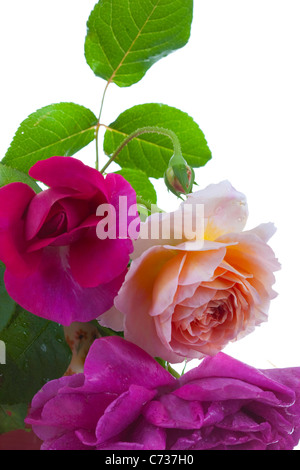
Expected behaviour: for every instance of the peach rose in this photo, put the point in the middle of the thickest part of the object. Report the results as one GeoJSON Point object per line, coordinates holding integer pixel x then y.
{"type": "Point", "coordinates": [188, 298]}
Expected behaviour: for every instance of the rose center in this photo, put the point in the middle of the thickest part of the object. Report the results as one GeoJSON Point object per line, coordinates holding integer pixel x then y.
{"type": "Point", "coordinates": [218, 313]}
{"type": "Point", "coordinates": [54, 226]}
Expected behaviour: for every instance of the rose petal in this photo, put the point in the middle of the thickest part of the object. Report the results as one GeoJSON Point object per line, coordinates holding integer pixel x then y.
{"type": "Point", "coordinates": [200, 266]}
{"type": "Point", "coordinates": [264, 231]}
{"type": "Point", "coordinates": [225, 209]}
{"type": "Point", "coordinates": [220, 388]}
{"type": "Point", "coordinates": [247, 255]}
{"type": "Point", "coordinates": [151, 437]}
{"type": "Point", "coordinates": [222, 365]}
{"type": "Point", "coordinates": [113, 319]}
{"type": "Point", "coordinates": [122, 412]}
{"type": "Point", "coordinates": [125, 400]}
{"type": "Point", "coordinates": [40, 206]}
{"type": "Point", "coordinates": [14, 200]}
{"type": "Point", "coordinates": [118, 187]}
{"type": "Point", "coordinates": [48, 286]}
{"type": "Point", "coordinates": [166, 283]}
{"type": "Point", "coordinates": [68, 441]}
{"type": "Point", "coordinates": [68, 172]}
{"type": "Point", "coordinates": [135, 302]}
{"type": "Point", "coordinates": [95, 261]}
{"type": "Point", "coordinates": [169, 411]}
{"type": "Point", "coordinates": [105, 366]}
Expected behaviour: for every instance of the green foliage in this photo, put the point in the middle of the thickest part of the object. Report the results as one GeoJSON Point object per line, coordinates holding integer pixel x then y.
{"type": "Point", "coordinates": [7, 304]}
{"type": "Point", "coordinates": [10, 175]}
{"type": "Point", "coordinates": [58, 129]}
{"type": "Point", "coordinates": [12, 417]}
{"type": "Point", "coordinates": [141, 184]}
{"type": "Point", "coordinates": [36, 352]}
{"type": "Point", "coordinates": [151, 152]}
{"type": "Point", "coordinates": [126, 37]}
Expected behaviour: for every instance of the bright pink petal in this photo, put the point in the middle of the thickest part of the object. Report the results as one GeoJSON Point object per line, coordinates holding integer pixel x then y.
{"type": "Point", "coordinates": [70, 173]}
{"type": "Point", "coordinates": [118, 187]}
{"type": "Point", "coordinates": [222, 365]}
{"type": "Point", "coordinates": [151, 437]}
{"type": "Point", "coordinates": [95, 261]}
{"type": "Point", "coordinates": [169, 411]}
{"type": "Point", "coordinates": [122, 412]}
{"type": "Point", "coordinates": [64, 239]}
{"type": "Point", "coordinates": [123, 198]}
{"type": "Point", "coordinates": [55, 294]}
{"type": "Point", "coordinates": [14, 200]}
{"type": "Point", "coordinates": [105, 361]}
{"type": "Point", "coordinates": [49, 391]}
{"type": "Point", "coordinates": [67, 441]}
{"type": "Point", "coordinates": [40, 206]}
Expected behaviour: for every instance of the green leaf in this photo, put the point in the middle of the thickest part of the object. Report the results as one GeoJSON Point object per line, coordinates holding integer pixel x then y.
{"type": "Point", "coordinates": [126, 37]}
{"type": "Point", "coordinates": [10, 175]}
{"type": "Point", "coordinates": [36, 352]}
{"type": "Point", "coordinates": [151, 152]}
{"type": "Point", "coordinates": [140, 183]}
{"type": "Point", "coordinates": [12, 417]}
{"type": "Point", "coordinates": [58, 129]}
{"type": "Point", "coordinates": [104, 331]}
{"type": "Point", "coordinates": [7, 304]}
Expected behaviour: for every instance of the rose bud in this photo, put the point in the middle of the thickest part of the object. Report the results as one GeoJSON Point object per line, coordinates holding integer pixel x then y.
{"type": "Point", "coordinates": [179, 176]}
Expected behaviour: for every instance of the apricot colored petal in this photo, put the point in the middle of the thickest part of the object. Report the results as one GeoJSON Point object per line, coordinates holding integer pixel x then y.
{"type": "Point", "coordinates": [113, 319]}
{"type": "Point", "coordinates": [225, 209]}
{"type": "Point", "coordinates": [166, 283]}
{"type": "Point", "coordinates": [134, 300]}
{"type": "Point", "coordinates": [252, 255]}
{"type": "Point", "coordinates": [200, 266]}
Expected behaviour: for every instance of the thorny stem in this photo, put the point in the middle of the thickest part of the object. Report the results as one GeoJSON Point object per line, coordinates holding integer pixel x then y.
{"type": "Point", "coordinates": [147, 130]}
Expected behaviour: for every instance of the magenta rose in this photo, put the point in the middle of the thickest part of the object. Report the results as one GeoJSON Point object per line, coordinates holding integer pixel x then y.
{"type": "Point", "coordinates": [125, 400]}
{"type": "Point", "coordinates": [56, 266]}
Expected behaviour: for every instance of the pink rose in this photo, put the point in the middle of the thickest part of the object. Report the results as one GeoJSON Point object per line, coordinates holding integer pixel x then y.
{"type": "Point", "coordinates": [124, 400]}
{"type": "Point", "coordinates": [56, 266]}
{"type": "Point", "coordinates": [188, 299]}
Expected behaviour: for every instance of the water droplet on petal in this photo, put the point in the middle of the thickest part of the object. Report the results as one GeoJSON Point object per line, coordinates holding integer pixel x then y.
{"type": "Point", "coordinates": [218, 210]}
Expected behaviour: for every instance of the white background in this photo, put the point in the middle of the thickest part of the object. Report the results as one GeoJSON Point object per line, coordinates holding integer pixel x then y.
{"type": "Point", "coordinates": [239, 79]}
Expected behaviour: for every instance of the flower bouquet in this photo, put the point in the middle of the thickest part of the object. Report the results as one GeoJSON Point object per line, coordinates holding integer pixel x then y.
{"type": "Point", "coordinates": [114, 313]}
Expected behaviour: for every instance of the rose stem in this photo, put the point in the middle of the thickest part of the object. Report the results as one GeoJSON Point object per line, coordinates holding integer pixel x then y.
{"type": "Point", "coordinates": [147, 130]}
